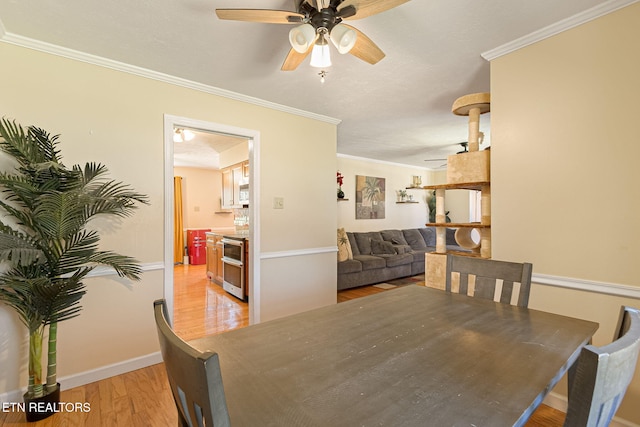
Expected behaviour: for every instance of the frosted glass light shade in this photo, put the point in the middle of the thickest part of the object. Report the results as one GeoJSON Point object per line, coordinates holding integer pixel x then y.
{"type": "Point", "coordinates": [302, 37]}
{"type": "Point", "coordinates": [343, 38]}
{"type": "Point", "coordinates": [320, 56]}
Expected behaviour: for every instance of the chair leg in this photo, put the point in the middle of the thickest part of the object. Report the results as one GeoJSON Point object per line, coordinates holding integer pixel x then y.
{"type": "Point", "coordinates": [181, 421]}
{"type": "Point", "coordinates": [571, 374]}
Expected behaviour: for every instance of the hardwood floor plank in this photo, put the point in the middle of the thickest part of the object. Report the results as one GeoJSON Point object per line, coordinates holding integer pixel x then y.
{"type": "Point", "coordinates": [202, 307]}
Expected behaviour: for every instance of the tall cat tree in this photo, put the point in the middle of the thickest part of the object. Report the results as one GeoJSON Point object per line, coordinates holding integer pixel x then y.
{"type": "Point", "coordinates": [465, 171]}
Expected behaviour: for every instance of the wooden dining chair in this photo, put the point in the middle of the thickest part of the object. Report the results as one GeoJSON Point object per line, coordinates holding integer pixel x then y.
{"type": "Point", "coordinates": [195, 377]}
{"type": "Point", "coordinates": [500, 281]}
{"type": "Point", "coordinates": [600, 377]}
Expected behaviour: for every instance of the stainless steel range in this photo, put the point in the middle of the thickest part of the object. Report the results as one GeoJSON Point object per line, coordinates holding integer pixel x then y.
{"type": "Point", "coordinates": [233, 265]}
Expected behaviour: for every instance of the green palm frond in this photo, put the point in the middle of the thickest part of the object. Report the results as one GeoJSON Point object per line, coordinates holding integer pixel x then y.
{"type": "Point", "coordinates": [17, 292]}
{"type": "Point", "coordinates": [18, 143]}
{"type": "Point", "coordinates": [78, 250]}
{"type": "Point", "coordinates": [108, 196]}
{"type": "Point", "coordinates": [59, 299]}
{"type": "Point", "coordinates": [59, 214]}
{"type": "Point", "coordinates": [125, 266]}
{"type": "Point", "coordinates": [18, 247]}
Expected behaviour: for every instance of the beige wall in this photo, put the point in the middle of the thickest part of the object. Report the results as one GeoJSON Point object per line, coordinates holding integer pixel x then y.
{"type": "Point", "coordinates": [236, 154]}
{"type": "Point", "coordinates": [397, 177]}
{"type": "Point", "coordinates": [565, 167]}
{"type": "Point", "coordinates": [117, 118]}
{"type": "Point", "coordinates": [201, 193]}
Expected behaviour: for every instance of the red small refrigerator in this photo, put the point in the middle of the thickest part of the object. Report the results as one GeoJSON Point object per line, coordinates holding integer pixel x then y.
{"type": "Point", "coordinates": [197, 246]}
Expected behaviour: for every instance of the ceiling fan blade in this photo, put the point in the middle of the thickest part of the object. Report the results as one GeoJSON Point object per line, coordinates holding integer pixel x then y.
{"type": "Point", "coordinates": [365, 49]}
{"type": "Point", "coordinates": [268, 16]}
{"type": "Point", "coordinates": [365, 8]}
{"type": "Point", "coordinates": [319, 4]}
{"type": "Point", "coordinates": [294, 59]}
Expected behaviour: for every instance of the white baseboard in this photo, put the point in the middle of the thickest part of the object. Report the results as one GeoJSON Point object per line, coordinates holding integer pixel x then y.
{"type": "Point", "coordinates": [93, 375]}
{"type": "Point", "coordinates": [559, 402]}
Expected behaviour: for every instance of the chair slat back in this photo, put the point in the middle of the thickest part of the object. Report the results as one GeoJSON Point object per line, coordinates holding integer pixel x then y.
{"type": "Point", "coordinates": [500, 281]}
{"type": "Point", "coordinates": [195, 377]}
{"type": "Point", "coordinates": [602, 374]}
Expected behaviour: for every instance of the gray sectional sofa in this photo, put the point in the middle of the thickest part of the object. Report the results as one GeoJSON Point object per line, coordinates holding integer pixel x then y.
{"type": "Point", "coordinates": [384, 255]}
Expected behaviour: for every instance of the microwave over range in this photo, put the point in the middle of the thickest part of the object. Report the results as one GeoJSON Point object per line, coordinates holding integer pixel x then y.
{"type": "Point", "coordinates": [243, 194]}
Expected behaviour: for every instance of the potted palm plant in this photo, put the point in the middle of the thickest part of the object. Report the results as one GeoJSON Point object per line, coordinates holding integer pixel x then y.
{"type": "Point", "coordinates": [46, 244]}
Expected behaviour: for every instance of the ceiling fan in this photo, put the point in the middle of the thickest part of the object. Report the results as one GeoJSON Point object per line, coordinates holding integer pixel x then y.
{"type": "Point", "coordinates": [318, 22]}
{"type": "Point", "coordinates": [465, 149]}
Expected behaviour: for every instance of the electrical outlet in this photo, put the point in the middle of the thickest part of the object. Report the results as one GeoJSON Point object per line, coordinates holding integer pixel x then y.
{"type": "Point", "coordinates": [278, 203]}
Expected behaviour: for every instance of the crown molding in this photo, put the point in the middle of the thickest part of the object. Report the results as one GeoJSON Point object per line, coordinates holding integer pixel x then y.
{"type": "Point", "coordinates": [154, 75]}
{"type": "Point", "coordinates": [383, 162]}
{"type": "Point", "coordinates": [560, 26]}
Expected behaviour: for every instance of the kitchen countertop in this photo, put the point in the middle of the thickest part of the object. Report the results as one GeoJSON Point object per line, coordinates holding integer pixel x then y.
{"type": "Point", "coordinates": [231, 233]}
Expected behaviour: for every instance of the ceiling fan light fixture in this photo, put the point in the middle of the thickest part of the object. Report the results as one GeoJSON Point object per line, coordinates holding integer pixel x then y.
{"type": "Point", "coordinates": [320, 55]}
{"type": "Point", "coordinates": [302, 37]}
{"type": "Point", "coordinates": [343, 38]}
{"type": "Point", "coordinates": [181, 135]}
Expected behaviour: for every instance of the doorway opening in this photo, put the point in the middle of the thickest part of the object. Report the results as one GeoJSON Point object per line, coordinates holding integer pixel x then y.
{"type": "Point", "coordinates": [211, 139]}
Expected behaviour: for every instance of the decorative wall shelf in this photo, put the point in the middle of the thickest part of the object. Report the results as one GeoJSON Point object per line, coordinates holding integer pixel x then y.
{"type": "Point", "coordinates": [409, 201]}
{"type": "Point", "coordinates": [341, 200]}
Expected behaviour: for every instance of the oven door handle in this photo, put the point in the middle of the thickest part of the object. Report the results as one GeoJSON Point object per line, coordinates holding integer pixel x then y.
{"type": "Point", "coordinates": [232, 242]}
{"type": "Point", "coordinates": [231, 261]}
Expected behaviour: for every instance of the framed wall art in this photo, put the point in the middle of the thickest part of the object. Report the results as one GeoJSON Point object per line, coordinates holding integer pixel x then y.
{"type": "Point", "coordinates": [370, 197]}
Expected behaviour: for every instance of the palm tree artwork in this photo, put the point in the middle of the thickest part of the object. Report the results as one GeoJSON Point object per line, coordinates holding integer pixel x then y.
{"type": "Point", "coordinates": [370, 197]}
{"type": "Point", "coordinates": [46, 247]}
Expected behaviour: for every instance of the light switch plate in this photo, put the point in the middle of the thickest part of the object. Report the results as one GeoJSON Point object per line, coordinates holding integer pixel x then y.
{"type": "Point", "coordinates": [278, 203]}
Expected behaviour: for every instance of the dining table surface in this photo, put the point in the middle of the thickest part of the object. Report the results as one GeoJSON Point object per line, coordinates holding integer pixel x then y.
{"type": "Point", "coordinates": [411, 356]}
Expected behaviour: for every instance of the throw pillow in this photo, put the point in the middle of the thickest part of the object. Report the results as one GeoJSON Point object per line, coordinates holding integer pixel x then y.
{"type": "Point", "coordinates": [344, 246]}
{"type": "Point", "coordinates": [393, 236]}
{"type": "Point", "coordinates": [380, 247]}
{"type": "Point", "coordinates": [414, 238]}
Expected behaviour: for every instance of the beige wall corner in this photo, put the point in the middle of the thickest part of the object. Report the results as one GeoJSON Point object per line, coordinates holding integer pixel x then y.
{"type": "Point", "coordinates": [564, 166]}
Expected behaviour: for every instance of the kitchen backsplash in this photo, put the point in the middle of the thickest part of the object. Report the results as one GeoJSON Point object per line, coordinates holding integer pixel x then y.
{"type": "Point", "coordinates": [241, 218]}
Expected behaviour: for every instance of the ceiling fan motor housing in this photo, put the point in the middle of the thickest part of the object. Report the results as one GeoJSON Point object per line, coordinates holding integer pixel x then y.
{"type": "Point", "coordinates": [327, 17]}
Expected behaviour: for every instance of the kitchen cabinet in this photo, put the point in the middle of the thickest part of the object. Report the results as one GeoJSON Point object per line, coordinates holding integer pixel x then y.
{"type": "Point", "coordinates": [232, 177]}
{"type": "Point", "coordinates": [214, 258]}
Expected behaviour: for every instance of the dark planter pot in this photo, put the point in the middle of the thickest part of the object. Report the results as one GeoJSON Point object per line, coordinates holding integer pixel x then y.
{"type": "Point", "coordinates": [340, 194]}
{"type": "Point", "coordinates": [39, 408]}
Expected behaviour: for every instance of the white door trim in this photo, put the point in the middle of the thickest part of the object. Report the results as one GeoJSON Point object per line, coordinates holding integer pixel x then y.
{"type": "Point", "coordinates": [254, 212]}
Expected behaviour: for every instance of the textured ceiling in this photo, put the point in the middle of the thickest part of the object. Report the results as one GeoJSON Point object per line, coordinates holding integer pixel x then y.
{"type": "Point", "coordinates": [398, 110]}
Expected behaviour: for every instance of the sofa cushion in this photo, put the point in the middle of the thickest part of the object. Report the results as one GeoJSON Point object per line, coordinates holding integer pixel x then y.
{"type": "Point", "coordinates": [394, 236]}
{"type": "Point", "coordinates": [344, 247]}
{"type": "Point", "coordinates": [354, 245]}
{"type": "Point", "coordinates": [414, 238]}
{"type": "Point", "coordinates": [400, 259]}
{"type": "Point", "coordinates": [402, 249]}
{"type": "Point", "coordinates": [363, 240]}
{"type": "Point", "coordinates": [380, 247]}
{"type": "Point", "coordinates": [370, 262]}
{"type": "Point", "coordinates": [429, 235]}
{"type": "Point", "coordinates": [349, 266]}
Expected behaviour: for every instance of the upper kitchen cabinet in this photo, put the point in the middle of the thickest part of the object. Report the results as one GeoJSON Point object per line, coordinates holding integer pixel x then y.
{"type": "Point", "coordinates": [233, 178]}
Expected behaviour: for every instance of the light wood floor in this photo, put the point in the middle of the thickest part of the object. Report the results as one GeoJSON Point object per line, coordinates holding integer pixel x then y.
{"type": "Point", "coordinates": [202, 307]}
{"type": "Point", "coordinates": [143, 398]}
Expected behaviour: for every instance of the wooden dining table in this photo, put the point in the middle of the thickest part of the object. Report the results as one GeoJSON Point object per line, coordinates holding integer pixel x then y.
{"type": "Point", "coordinates": [412, 356]}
